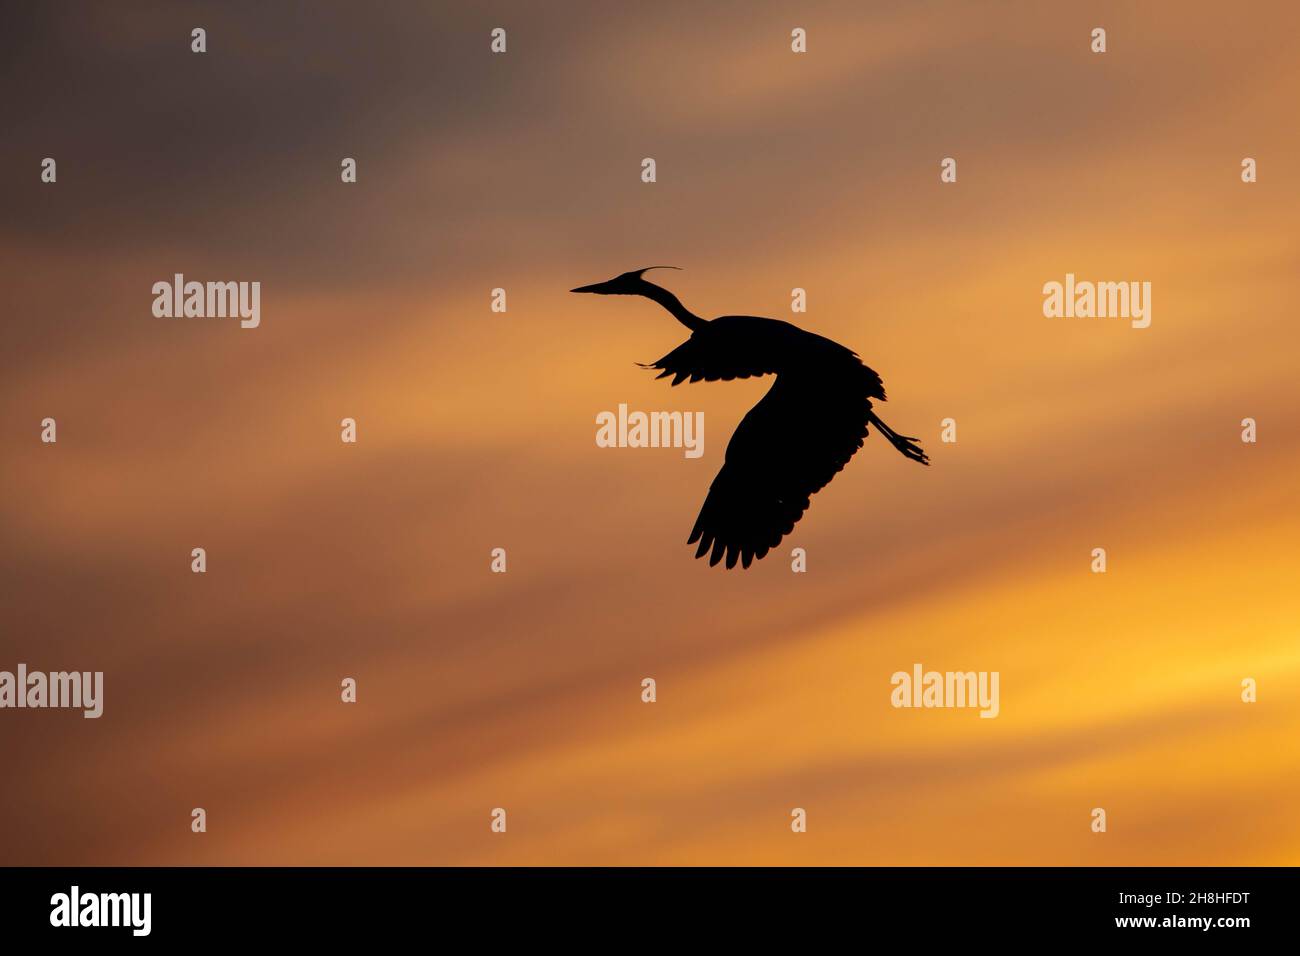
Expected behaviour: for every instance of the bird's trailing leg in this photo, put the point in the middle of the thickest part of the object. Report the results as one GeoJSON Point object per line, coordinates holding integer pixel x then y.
{"type": "Point", "coordinates": [907, 447]}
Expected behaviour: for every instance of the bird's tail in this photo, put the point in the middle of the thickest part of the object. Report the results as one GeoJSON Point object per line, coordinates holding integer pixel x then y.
{"type": "Point", "coordinates": [907, 447]}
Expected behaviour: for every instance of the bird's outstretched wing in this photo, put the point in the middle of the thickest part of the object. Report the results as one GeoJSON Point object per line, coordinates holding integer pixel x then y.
{"type": "Point", "coordinates": [710, 357]}
{"type": "Point", "coordinates": [788, 447]}
{"type": "Point", "coordinates": [744, 346]}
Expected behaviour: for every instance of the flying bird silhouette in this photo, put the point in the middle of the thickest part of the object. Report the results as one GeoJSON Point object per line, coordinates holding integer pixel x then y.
{"type": "Point", "coordinates": [792, 443]}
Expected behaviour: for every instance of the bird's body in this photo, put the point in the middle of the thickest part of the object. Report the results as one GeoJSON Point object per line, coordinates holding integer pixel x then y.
{"type": "Point", "coordinates": [792, 443]}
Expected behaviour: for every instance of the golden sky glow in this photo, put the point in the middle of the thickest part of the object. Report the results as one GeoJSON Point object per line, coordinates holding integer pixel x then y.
{"type": "Point", "coordinates": [477, 431]}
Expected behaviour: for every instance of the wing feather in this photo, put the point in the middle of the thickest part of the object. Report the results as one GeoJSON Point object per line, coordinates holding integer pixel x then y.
{"type": "Point", "coordinates": [715, 353]}
{"type": "Point", "coordinates": [787, 448]}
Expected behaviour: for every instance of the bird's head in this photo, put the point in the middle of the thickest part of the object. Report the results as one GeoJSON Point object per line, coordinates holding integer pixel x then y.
{"type": "Point", "coordinates": [629, 283]}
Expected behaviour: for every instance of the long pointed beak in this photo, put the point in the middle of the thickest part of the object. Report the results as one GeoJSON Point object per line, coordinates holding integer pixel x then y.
{"type": "Point", "coordinates": [597, 287]}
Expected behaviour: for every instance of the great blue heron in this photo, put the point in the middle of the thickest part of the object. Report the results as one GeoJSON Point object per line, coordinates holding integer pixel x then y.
{"type": "Point", "coordinates": [793, 442]}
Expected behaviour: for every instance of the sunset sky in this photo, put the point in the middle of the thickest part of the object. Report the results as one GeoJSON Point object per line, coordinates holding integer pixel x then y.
{"type": "Point", "coordinates": [476, 429]}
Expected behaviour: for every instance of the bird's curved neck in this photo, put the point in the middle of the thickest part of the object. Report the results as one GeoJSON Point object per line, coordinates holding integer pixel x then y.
{"type": "Point", "coordinates": [674, 305]}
